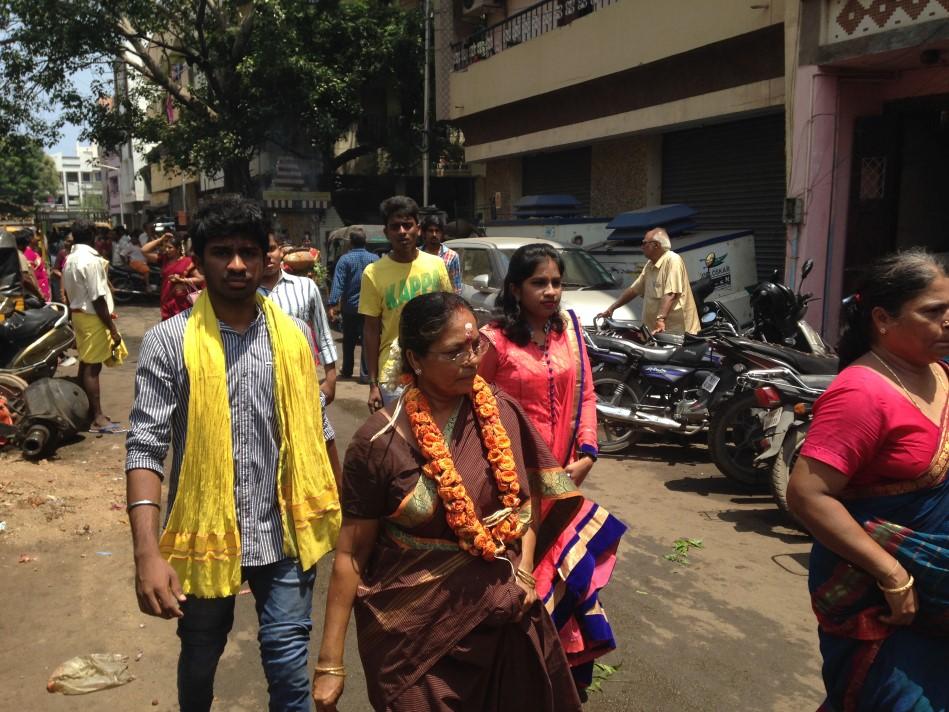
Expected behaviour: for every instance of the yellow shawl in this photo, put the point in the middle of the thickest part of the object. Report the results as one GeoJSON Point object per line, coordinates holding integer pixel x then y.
{"type": "Point", "coordinates": [201, 539]}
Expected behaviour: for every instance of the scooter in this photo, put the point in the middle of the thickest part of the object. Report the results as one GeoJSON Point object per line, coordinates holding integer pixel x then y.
{"type": "Point", "coordinates": [32, 342]}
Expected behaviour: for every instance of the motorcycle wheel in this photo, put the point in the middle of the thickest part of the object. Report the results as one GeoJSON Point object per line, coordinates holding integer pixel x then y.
{"type": "Point", "coordinates": [733, 439]}
{"type": "Point", "coordinates": [12, 388]}
{"type": "Point", "coordinates": [784, 465]}
{"type": "Point", "coordinates": [610, 388]}
{"type": "Point", "coordinates": [122, 289]}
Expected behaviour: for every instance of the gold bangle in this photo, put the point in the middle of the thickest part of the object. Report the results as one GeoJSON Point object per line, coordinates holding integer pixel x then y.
{"type": "Point", "coordinates": [524, 577]}
{"type": "Point", "coordinates": [899, 589]}
{"type": "Point", "coordinates": [338, 671]}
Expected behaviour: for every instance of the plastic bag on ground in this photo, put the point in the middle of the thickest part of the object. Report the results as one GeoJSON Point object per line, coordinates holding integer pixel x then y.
{"type": "Point", "coordinates": [88, 673]}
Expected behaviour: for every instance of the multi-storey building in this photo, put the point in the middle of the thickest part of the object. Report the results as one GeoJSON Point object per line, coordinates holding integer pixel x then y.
{"type": "Point", "coordinates": [80, 180]}
{"type": "Point", "coordinates": [623, 104]}
{"type": "Point", "coordinates": [868, 117]}
{"type": "Point", "coordinates": [821, 124]}
{"type": "Point", "coordinates": [126, 190]}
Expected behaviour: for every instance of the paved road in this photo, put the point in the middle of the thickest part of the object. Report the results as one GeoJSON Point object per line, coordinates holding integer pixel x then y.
{"type": "Point", "coordinates": [730, 631]}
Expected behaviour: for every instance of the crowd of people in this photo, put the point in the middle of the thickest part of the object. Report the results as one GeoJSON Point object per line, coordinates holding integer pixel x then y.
{"type": "Point", "coordinates": [458, 500]}
{"type": "Point", "coordinates": [464, 543]}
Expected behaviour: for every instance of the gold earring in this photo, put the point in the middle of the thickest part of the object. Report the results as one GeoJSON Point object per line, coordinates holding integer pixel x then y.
{"type": "Point", "coordinates": [418, 372]}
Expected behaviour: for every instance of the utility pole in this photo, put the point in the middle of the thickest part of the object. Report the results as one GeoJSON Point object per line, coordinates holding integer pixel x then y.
{"type": "Point", "coordinates": [425, 101]}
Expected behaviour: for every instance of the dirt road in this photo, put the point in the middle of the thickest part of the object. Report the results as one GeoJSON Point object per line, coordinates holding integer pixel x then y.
{"type": "Point", "coordinates": [732, 630]}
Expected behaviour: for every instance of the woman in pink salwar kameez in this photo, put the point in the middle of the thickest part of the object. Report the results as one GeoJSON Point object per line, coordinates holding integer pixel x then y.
{"type": "Point", "coordinates": [537, 355]}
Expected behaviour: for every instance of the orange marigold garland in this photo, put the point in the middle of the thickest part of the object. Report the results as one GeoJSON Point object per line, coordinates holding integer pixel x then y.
{"type": "Point", "coordinates": [474, 536]}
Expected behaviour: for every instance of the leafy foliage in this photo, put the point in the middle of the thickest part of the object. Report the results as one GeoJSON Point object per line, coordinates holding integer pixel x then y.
{"type": "Point", "coordinates": [27, 175]}
{"type": "Point", "coordinates": [235, 75]}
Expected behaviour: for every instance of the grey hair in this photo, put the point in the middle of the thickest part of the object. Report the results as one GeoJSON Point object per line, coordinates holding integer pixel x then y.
{"type": "Point", "coordinates": [662, 237]}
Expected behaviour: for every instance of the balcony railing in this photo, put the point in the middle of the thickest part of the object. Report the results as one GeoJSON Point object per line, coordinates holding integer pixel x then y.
{"type": "Point", "coordinates": [521, 27]}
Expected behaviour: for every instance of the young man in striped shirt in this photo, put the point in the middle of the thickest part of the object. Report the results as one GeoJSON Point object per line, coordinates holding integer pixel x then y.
{"type": "Point", "coordinates": [216, 383]}
{"type": "Point", "coordinates": [299, 297]}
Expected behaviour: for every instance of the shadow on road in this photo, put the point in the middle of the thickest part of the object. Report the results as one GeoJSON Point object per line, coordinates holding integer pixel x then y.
{"type": "Point", "coordinates": [796, 564]}
{"type": "Point", "coordinates": [709, 485]}
{"type": "Point", "coordinates": [671, 454]}
{"type": "Point", "coordinates": [768, 522]}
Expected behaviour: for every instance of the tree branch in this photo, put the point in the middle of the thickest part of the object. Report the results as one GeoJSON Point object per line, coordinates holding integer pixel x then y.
{"type": "Point", "coordinates": [351, 154]}
{"type": "Point", "coordinates": [239, 48]}
{"type": "Point", "coordinates": [206, 67]}
{"type": "Point", "coordinates": [146, 66]}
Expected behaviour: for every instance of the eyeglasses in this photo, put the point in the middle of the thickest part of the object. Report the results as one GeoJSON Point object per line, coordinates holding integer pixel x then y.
{"type": "Point", "coordinates": [650, 242]}
{"type": "Point", "coordinates": [468, 354]}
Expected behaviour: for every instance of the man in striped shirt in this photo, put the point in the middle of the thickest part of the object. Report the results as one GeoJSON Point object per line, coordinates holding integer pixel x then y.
{"type": "Point", "coordinates": [229, 241]}
{"type": "Point", "coordinates": [433, 242]}
{"type": "Point", "coordinates": [299, 297]}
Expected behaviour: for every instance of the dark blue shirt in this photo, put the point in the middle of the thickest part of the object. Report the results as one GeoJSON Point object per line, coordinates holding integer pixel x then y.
{"type": "Point", "coordinates": [347, 277]}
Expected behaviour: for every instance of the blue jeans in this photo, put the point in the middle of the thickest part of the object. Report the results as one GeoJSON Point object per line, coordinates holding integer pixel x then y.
{"type": "Point", "coordinates": [352, 335]}
{"type": "Point", "coordinates": [283, 596]}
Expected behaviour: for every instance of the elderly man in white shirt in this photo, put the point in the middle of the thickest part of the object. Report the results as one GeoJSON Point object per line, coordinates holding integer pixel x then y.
{"type": "Point", "coordinates": [668, 304]}
{"type": "Point", "coordinates": [85, 281]}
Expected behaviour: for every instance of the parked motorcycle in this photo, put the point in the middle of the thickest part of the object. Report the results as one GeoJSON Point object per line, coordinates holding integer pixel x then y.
{"type": "Point", "coordinates": [787, 401]}
{"type": "Point", "coordinates": [779, 315]}
{"type": "Point", "coordinates": [44, 414]}
{"type": "Point", "coordinates": [648, 388]}
{"type": "Point", "coordinates": [128, 284]}
{"type": "Point", "coordinates": [736, 429]}
{"type": "Point", "coordinates": [687, 384]}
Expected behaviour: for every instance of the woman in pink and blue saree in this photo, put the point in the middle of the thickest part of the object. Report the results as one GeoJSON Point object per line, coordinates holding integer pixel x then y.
{"type": "Point", "coordinates": [538, 357]}
{"type": "Point", "coordinates": [871, 485]}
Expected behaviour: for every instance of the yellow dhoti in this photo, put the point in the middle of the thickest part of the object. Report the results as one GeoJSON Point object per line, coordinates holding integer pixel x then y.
{"type": "Point", "coordinates": [93, 341]}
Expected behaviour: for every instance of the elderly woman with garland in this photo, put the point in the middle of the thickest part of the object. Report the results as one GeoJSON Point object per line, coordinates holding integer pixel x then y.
{"type": "Point", "coordinates": [439, 537]}
{"type": "Point", "coordinates": [537, 355]}
{"type": "Point", "coordinates": [871, 485]}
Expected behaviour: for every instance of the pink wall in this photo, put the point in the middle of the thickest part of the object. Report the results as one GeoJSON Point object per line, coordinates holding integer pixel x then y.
{"type": "Point", "coordinates": [827, 103]}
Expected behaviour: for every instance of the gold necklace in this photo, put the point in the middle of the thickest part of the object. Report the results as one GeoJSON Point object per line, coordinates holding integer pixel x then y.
{"type": "Point", "coordinates": [939, 382]}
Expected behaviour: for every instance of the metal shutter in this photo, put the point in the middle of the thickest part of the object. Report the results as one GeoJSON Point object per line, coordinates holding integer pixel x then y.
{"type": "Point", "coordinates": [733, 175]}
{"type": "Point", "coordinates": [560, 172]}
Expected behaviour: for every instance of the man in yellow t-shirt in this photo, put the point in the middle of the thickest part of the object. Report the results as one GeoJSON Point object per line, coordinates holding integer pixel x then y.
{"type": "Point", "coordinates": [668, 304]}
{"type": "Point", "coordinates": [389, 284]}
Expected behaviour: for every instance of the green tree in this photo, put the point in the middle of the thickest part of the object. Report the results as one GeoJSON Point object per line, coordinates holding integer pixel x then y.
{"type": "Point", "coordinates": [27, 175]}
{"type": "Point", "coordinates": [236, 75]}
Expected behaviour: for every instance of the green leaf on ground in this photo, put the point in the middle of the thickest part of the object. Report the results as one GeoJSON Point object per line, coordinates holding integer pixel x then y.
{"type": "Point", "coordinates": [601, 671]}
{"type": "Point", "coordinates": [680, 550]}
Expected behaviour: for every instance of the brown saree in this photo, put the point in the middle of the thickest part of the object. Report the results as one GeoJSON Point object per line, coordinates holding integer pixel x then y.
{"type": "Point", "coordinates": [436, 625]}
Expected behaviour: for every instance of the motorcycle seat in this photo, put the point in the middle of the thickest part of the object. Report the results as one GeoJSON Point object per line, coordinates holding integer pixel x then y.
{"type": "Point", "coordinates": [633, 349]}
{"type": "Point", "coordinates": [821, 382]}
{"type": "Point", "coordinates": [21, 328]}
{"type": "Point", "coordinates": [798, 360]}
{"type": "Point", "coordinates": [624, 324]}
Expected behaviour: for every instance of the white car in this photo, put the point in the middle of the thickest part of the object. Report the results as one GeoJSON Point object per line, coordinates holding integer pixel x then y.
{"type": "Point", "coordinates": [588, 287]}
